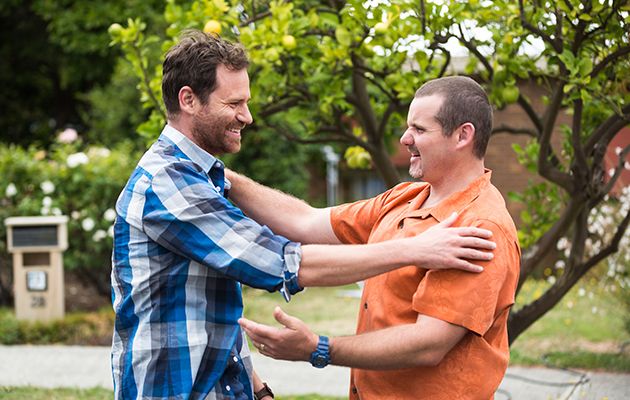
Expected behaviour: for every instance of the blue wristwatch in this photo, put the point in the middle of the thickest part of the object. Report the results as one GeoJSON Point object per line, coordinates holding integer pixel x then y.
{"type": "Point", "coordinates": [321, 356]}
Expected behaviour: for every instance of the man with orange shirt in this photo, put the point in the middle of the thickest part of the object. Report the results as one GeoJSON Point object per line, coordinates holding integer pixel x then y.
{"type": "Point", "coordinates": [421, 334]}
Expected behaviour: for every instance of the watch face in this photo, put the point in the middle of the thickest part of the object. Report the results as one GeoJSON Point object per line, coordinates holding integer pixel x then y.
{"type": "Point", "coordinates": [320, 361]}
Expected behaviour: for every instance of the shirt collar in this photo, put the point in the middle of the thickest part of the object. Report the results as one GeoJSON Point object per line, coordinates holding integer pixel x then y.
{"type": "Point", "coordinates": [455, 202]}
{"type": "Point", "coordinates": [196, 154]}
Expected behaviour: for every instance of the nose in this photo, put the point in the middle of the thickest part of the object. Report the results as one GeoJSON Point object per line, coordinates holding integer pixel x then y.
{"type": "Point", "coordinates": [244, 116]}
{"type": "Point", "coordinates": [406, 139]}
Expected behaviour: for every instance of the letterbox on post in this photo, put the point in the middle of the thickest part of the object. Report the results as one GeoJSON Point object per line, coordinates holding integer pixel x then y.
{"type": "Point", "coordinates": [37, 244]}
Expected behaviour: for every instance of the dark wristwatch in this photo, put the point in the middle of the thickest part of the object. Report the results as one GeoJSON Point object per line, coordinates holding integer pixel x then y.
{"type": "Point", "coordinates": [321, 356]}
{"type": "Point", "coordinates": [265, 391]}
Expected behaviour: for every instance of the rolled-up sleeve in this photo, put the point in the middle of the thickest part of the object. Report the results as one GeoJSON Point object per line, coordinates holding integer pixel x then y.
{"type": "Point", "coordinates": [186, 214]}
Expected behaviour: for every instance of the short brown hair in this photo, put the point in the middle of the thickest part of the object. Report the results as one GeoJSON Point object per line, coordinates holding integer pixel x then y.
{"type": "Point", "coordinates": [464, 101]}
{"type": "Point", "coordinates": [193, 62]}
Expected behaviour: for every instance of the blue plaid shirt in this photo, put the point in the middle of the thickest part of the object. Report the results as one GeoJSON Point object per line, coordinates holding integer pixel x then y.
{"type": "Point", "coordinates": [180, 251]}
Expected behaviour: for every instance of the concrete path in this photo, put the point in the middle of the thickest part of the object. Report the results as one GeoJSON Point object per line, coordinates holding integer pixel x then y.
{"type": "Point", "coordinates": [86, 367]}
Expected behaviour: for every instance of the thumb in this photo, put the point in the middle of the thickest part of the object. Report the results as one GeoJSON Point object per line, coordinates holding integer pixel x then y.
{"type": "Point", "coordinates": [285, 319]}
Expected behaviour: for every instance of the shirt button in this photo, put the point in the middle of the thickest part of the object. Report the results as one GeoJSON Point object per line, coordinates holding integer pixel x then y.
{"type": "Point", "coordinates": [228, 388]}
{"type": "Point", "coordinates": [365, 305]}
{"type": "Point", "coordinates": [354, 390]}
{"type": "Point", "coordinates": [235, 359]}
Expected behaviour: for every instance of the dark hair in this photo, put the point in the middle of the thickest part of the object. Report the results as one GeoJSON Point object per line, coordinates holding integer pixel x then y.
{"type": "Point", "coordinates": [464, 101]}
{"type": "Point", "coordinates": [193, 62]}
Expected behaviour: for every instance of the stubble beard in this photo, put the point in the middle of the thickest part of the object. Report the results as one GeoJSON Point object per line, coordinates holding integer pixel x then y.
{"type": "Point", "coordinates": [209, 134]}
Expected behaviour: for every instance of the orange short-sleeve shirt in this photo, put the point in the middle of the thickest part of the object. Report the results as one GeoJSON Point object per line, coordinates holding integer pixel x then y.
{"type": "Point", "coordinates": [474, 368]}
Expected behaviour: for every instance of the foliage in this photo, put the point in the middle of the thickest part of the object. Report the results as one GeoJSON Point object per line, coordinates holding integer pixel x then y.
{"type": "Point", "coordinates": [73, 179]}
{"type": "Point", "coordinates": [91, 329]}
{"type": "Point", "coordinates": [345, 71]}
{"type": "Point", "coordinates": [53, 54]}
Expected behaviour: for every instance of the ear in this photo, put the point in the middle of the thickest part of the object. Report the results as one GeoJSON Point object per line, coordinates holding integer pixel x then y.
{"type": "Point", "coordinates": [465, 135]}
{"type": "Point", "coordinates": [188, 101]}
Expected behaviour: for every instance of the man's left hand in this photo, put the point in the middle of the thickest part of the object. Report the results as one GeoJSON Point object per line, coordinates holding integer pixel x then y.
{"type": "Point", "coordinates": [293, 342]}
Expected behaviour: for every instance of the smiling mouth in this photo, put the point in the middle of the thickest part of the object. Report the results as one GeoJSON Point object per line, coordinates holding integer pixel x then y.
{"type": "Point", "coordinates": [234, 131]}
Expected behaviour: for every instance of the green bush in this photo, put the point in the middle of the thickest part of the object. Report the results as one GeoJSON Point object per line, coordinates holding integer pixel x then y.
{"type": "Point", "coordinates": [75, 329]}
{"type": "Point", "coordinates": [73, 179]}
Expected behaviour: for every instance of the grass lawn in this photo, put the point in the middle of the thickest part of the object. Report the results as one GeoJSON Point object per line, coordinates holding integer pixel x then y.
{"type": "Point", "coordinates": [585, 330]}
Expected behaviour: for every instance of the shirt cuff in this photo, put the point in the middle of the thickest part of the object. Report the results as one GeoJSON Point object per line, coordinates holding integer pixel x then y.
{"type": "Point", "coordinates": [292, 259]}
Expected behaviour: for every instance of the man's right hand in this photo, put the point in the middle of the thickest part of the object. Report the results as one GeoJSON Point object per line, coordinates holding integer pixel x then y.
{"type": "Point", "coordinates": [447, 247]}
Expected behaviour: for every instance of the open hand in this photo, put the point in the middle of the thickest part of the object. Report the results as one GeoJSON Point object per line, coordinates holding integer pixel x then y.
{"type": "Point", "coordinates": [446, 247]}
{"type": "Point", "coordinates": [294, 341]}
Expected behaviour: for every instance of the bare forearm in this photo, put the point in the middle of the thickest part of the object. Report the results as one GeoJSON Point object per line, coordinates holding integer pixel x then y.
{"type": "Point", "coordinates": [284, 214]}
{"type": "Point", "coordinates": [393, 348]}
{"type": "Point", "coordinates": [342, 264]}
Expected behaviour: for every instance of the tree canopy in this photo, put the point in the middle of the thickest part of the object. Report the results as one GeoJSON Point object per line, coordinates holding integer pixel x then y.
{"type": "Point", "coordinates": [345, 72]}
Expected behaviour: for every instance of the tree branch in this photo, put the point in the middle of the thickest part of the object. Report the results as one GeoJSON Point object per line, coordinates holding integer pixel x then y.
{"type": "Point", "coordinates": [613, 179]}
{"type": "Point", "coordinates": [529, 110]}
{"type": "Point", "coordinates": [473, 49]}
{"type": "Point", "coordinates": [362, 101]}
{"type": "Point", "coordinates": [279, 107]}
{"type": "Point", "coordinates": [514, 131]}
{"type": "Point", "coordinates": [545, 167]}
{"type": "Point", "coordinates": [620, 52]}
{"type": "Point", "coordinates": [531, 258]}
{"type": "Point", "coordinates": [580, 166]}
{"type": "Point", "coordinates": [611, 126]}
{"type": "Point", "coordinates": [339, 138]}
{"type": "Point", "coordinates": [612, 247]}
{"type": "Point", "coordinates": [556, 44]}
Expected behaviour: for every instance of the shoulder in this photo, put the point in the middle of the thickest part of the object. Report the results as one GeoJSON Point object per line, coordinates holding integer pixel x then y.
{"type": "Point", "coordinates": [490, 212]}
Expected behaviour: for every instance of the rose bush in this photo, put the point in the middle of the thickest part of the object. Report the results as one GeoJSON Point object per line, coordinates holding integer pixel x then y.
{"type": "Point", "coordinates": [73, 179]}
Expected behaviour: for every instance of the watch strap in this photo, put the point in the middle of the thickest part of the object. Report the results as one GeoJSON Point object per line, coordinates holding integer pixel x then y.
{"type": "Point", "coordinates": [265, 391]}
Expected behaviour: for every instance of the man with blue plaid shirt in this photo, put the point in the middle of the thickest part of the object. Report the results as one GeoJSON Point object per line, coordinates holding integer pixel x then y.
{"type": "Point", "coordinates": [182, 251]}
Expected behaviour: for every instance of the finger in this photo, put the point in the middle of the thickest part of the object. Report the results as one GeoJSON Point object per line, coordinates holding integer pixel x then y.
{"type": "Point", "coordinates": [472, 231]}
{"type": "Point", "coordinates": [256, 331]}
{"type": "Point", "coordinates": [468, 266]}
{"type": "Point", "coordinates": [448, 221]}
{"type": "Point", "coordinates": [285, 319]}
{"type": "Point", "coordinates": [473, 254]}
{"type": "Point", "coordinates": [477, 243]}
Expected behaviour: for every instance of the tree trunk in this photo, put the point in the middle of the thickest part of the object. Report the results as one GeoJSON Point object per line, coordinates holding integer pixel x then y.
{"type": "Point", "coordinates": [384, 165]}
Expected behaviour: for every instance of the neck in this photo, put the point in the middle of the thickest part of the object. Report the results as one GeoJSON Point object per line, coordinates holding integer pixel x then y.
{"type": "Point", "coordinates": [455, 180]}
{"type": "Point", "coordinates": [181, 125]}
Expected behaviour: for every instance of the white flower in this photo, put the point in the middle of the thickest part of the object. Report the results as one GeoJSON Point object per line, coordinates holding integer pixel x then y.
{"type": "Point", "coordinates": [56, 211]}
{"type": "Point", "coordinates": [594, 310]}
{"type": "Point", "coordinates": [99, 152]}
{"type": "Point", "coordinates": [69, 135]}
{"type": "Point", "coordinates": [11, 190]}
{"type": "Point", "coordinates": [581, 292]}
{"type": "Point", "coordinates": [618, 150]}
{"type": "Point", "coordinates": [99, 235]}
{"type": "Point", "coordinates": [551, 280]}
{"type": "Point", "coordinates": [611, 172]}
{"type": "Point", "coordinates": [87, 224]}
{"type": "Point", "coordinates": [47, 187]}
{"type": "Point", "coordinates": [626, 165]}
{"type": "Point", "coordinates": [75, 215]}
{"type": "Point", "coordinates": [110, 231]}
{"type": "Point", "coordinates": [570, 305]}
{"type": "Point", "coordinates": [47, 202]}
{"type": "Point", "coordinates": [76, 159]}
{"type": "Point", "coordinates": [109, 215]}
{"type": "Point", "coordinates": [44, 211]}
{"type": "Point", "coordinates": [562, 244]}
